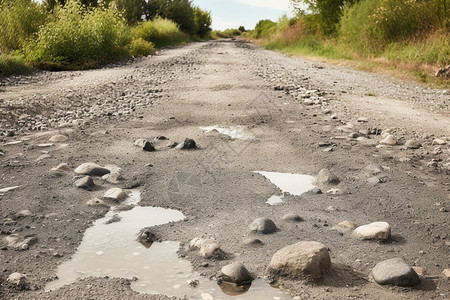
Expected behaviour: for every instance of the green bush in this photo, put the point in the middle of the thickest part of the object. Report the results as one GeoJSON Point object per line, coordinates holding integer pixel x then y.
{"type": "Point", "coordinates": [80, 37]}
{"type": "Point", "coordinates": [263, 27]}
{"type": "Point", "coordinates": [20, 20]}
{"type": "Point", "coordinates": [12, 65]}
{"type": "Point", "coordinates": [161, 32]}
{"type": "Point", "coordinates": [140, 47]}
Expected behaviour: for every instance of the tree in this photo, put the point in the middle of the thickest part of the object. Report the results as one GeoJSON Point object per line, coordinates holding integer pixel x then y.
{"type": "Point", "coordinates": [50, 4]}
{"type": "Point", "coordinates": [133, 10]}
{"type": "Point", "coordinates": [328, 12]}
{"type": "Point", "coordinates": [242, 29]}
{"type": "Point", "coordinates": [179, 11]}
{"type": "Point", "coordinates": [202, 22]}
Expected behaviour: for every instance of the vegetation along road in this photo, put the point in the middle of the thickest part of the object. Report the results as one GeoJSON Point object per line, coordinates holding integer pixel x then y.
{"type": "Point", "coordinates": [218, 161]}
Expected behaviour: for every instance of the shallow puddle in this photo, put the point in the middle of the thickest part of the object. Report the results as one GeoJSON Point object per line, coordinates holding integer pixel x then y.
{"type": "Point", "coordinates": [235, 132]}
{"type": "Point", "coordinates": [112, 249]}
{"type": "Point", "coordinates": [294, 184]}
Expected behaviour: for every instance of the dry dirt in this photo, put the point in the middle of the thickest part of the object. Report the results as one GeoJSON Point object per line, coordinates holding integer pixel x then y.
{"type": "Point", "coordinates": [228, 83]}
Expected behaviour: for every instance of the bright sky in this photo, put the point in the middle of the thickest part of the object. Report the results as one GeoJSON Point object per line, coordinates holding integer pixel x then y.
{"type": "Point", "coordinates": [234, 13]}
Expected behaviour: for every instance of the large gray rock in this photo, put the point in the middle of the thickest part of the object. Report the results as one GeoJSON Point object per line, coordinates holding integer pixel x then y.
{"type": "Point", "coordinates": [373, 231]}
{"type": "Point", "coordinates": [207, 248]}
{"type": "Point", "coordinates": [263, 225]}
{"type": "Point", "coordinates": [413, 144]}
{"type": "Point", "coordinates": [91, 169]}
{"type": "Point", "coordinates": [236, 273]}
{"type": "Point", "coordinates": [388, 140]}
{"type": "Point", "coordinates": [305, 260]}
{"type": "Point", "coordinates": [395, 271]}
{"type": "Point", "coordinates": [326, 177]}
{"type": "Point", "coordinates": [116, 194]}
{"type": "Point", "coordinates": [18, 279]}
{"type": "Point", "coordinates": [144, 145]}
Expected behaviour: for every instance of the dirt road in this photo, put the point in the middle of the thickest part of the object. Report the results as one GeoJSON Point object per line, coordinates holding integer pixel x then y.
{"type": "Point", "coordinates": [250, 111]}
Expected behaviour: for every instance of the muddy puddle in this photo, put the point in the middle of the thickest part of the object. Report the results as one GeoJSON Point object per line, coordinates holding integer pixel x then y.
{"type": "Point", "coordinates": [111, 249]}
{"type": "Point", "coordinates": [294, 184]}
{"type": "Point", "coordinates": [235, 132]}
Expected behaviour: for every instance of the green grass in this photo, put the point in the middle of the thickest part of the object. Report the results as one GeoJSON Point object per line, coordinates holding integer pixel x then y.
{"type": "Point", "coordinates": [160, 32]}
{"type": "Point", "coordinates": [13, 65]}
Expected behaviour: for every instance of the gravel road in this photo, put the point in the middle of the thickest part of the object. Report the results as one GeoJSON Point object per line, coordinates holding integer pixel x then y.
{"type": "Point", "coordinates": [250, 111]}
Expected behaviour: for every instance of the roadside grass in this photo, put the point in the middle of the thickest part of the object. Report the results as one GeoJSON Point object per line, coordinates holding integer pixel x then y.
{"type": "Point", "coordinates": [13, 65]}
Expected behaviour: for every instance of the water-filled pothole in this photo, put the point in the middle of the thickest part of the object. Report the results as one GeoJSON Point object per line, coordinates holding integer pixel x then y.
{"type": "Point", "coordinates": [235, 132]}
{"type": "Point", "coordinates": [294, 184]}
{"type": "Point", "coordinates": [112, 249]}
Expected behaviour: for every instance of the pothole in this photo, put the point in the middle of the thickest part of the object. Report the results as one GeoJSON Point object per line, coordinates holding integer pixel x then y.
{"type": "Point", "coordinates": [235, 132]}
{"type": "Point", "coordinates": [111, 249]}
{"type": "Point", "coordinates": [294, 184]}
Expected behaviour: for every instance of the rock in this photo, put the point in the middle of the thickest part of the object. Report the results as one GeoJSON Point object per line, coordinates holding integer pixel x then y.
{"type": "Point", "coordinates": [91, 169]}
{"type": "Point", "coordinates": [446, 273]}
{"type": "Point", "coordinates": [395, 271]}
{"type": "Point", "coordinates": [42, 157]}
{"type": "Point", "coordinates": [97, 202]}
{"type": "Point", "coordinates": [375, 169]}
{"type": "Point", "coordinates": [362, 120]}
{"type": "Point", "coordinates": [146, 237]}
{"type": "Point", "coordinates": [26, 244]}
{"type": "Point", "coordinates": [62, 168]}
{"type": "Point", "coordinates": [116, 194]}
{"type": "Point", "coordinates": [161, 138]}
{"type": "Point", "coordinates": [172, 144]}
{"type": "Point", "coordinates": [326, 177]}
{"type": "Point", "coordinates": [113, 177]}
{"type": "Point", "coordinates": [11, 188]}
{"type": "Point", "coordinates": [419, 270]}
{"type": "Point", "coordinates": [85, 182]}
{"type": "Point", "coordinates": [114, 219]}
{"type": "Point", "coordinates": [263, 225]}
{"type": "Point", "coordinates": [207, 248]}
{"type": "Point", "coordinates": [306, 260]}
{"type": "Point", "coordinates": [58, 138]}
{"type": "Point", "coordinates": [187, 144]}
{"type": "Point", "coordinates": [252, 241]}
{"type": "Point", "coordinates": [354, 135]}
{"type": "Point", "coordinates": [413, 144]}
{"type": "Point", "coordinates": [366, 141]}
{"type": "Point", "coordinates": [292, 217]}
{"type": "Point", "coordinates": [389, 140]}
{"type": "Point", "coordinates": [443, 72]}
{"type": "Point", "coordinates": [144, 145]}
{"type": "Point", "coordinates": [373, 231]}
{"type": "Point", "coordinates": [374, 180]}
{"type": "Point", "coordinates": [344, 227]}
{"type": "Point", "coordinates": [236, 273]}
{"type": "Point", "coordinates": [440, 142]}
{"type": "Point", "coordinates": [19, 280]}
{"type": "Point", "coordinates": [24, 213]}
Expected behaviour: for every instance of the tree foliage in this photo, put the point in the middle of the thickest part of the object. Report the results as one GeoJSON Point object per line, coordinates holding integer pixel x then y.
{"type": "Point", "coordinates": [179, 11]}
{"type": "Point", "coordinates": [202, 21]}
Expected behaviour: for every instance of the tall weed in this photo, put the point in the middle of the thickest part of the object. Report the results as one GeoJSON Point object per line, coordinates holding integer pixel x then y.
{"type": "Point", "coordinates": [161, 32]}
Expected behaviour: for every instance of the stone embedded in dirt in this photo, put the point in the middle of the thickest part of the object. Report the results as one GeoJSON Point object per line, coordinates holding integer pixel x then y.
{"type": "Point", "coordinates": [207, 248]}
{"type": "Point", "coordinates": [161, 138]}
{"type": "Point", "coordinates": [263, 225]}
{"type": "Point", "coordinates": [62, 168]}
{"type": "Point", "coordinates": [446, 273]}
{"type": "Point", "coordinates": [97, 202]}
{"type": "Point", "coordinates": [354, 135]}
{"type": "Point", "coordinates": [24, 213]}
{"type": "Point", "coordinates": [326, 177]}
{"type": "Point", "coordinates": [439, 142]}
{"type": "Point", "coordinates": [236, 273]}
{"type": "Point", "coordinates": [114, 219]}
{"type": "Point", "coordinates": [187, 144]}
{"type": "Point", "coordinates": [91, 169]}
{"type": "Point", "coordinates": [26, 243]}
{"type": "Point", "coordinates": [58, 138]}
{"type": "Point", "coordinates": [419, 270]}
{"type": "Point", "coordinates": [395, 271]}
{"type": "Point", "coordinates": [412, 144]}
{"type": "Point", "coordinates": [19, 280]}
{"type": "Point", "coordinates": [145, 145]}
{"type": "Point", "coordinates": [373, 231]}
{"type": "Point", "coordinates": [374, 180]}
{"type": "Point", "coordinates": [305, 260]}
{"type": "Point", "coordinates": [366, 141]}
{"type": "Point", "coordinates": [9, 241]}
{"type": "Point", "coordinates": [344, 227]}
{"type": "Point", "coordinates": [11, 188]}
{"type": "Point", "coordinates": [113, 177]}
{"type": "Point", "coordinates": [116, 194]}
{"type": "Point", "coordinates": [362, 120]}
{"type": "Point", "coordinates": [85, 182]}
{"type": "Point", "coordinates": [42, 157]}
{"type": "Point", "coordinates": [389, 140]}
{"type": "Point", "coordinates": [375, 168]}
{"type": "Point", "coordinates": [252, 241]}
{"type": "Point", "coordinates": [292, 217]}
{"type": "Point", "coordinates": [172, 144]}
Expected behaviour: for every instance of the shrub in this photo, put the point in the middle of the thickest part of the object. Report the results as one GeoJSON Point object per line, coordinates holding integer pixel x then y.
{"type": "Point", "coordinates": [12, 65]}
{"type": "Point", "coordinates": [80, 37]}
{"type": "Point", "coordinates": [161, 32]}
{"type": "Point", "coordinates": [20, 20]}
{"type": "Point", "coordinates": [140, 47]}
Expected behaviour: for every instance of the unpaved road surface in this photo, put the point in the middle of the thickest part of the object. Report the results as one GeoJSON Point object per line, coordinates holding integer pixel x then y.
{"type": "Point", "coordinates": [296, 117]}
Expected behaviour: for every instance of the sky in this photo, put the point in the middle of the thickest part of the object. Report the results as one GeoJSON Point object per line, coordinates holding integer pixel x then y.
{"type": "Point", "coordinates": [234, 13]}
